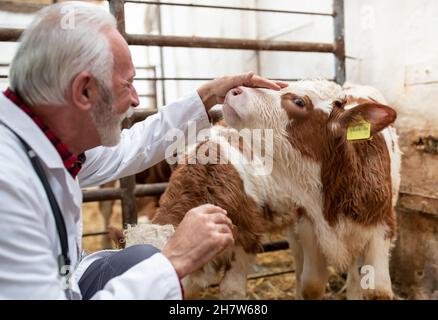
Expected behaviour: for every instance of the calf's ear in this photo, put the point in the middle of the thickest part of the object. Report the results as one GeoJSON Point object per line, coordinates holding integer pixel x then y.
{"type": "Point", "coordinates": [378, 115]}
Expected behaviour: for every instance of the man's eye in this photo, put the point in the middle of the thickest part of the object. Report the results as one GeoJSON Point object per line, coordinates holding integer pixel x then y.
{"type": "Point", "coordinates": [299, 102]}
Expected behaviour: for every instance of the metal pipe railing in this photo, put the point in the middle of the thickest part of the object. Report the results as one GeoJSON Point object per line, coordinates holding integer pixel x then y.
{"type": "Point", "coordinates": [226, 43]}
{"type": "Point", "coordinates": [203, 6]}
{"type": "Point", "coordinates": [140, 190]}
{"type": "Point", "coordinates": [186, 79]}
{"type": "Point", "coordinates": [10, 34]}
{"type": "Point", "coordinates": [203, 79]}
{"type": "Point", "coordinates": [339, 32]}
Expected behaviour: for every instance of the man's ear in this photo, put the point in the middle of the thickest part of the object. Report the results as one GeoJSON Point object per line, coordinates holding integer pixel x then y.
{"type": "Point", "coordinates": [84, 91]}
{"type": "Point", "coordinates": [378, 115]}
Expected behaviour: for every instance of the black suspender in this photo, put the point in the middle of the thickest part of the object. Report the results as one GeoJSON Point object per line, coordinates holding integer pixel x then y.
{"type": "Point", "coordinates": [63, 258]}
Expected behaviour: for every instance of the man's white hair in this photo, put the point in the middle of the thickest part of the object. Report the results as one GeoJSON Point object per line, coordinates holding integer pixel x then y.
{"type": "Point", "coordinates": [63, 40]}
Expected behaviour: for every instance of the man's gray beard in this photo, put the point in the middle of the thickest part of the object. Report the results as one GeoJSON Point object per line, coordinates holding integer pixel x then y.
{"type": "Point", "coordinates": [107, 121]}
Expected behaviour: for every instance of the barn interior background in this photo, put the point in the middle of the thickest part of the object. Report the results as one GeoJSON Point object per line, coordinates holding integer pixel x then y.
{"type": "Point", "coordinates": [389, 44]}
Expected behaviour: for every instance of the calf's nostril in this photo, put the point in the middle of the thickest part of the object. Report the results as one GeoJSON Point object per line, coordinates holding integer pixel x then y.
{"type": "Point", "coordinates": [236, 91]}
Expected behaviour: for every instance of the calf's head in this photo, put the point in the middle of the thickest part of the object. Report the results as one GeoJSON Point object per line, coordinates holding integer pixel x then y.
{"type": "Point", "coordinates": [311, 116]}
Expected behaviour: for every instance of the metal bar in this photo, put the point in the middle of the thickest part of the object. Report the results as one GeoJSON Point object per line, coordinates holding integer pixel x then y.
{"type": "Point", "coordinates": [339, 32]}
{"type": "Point", "coordinates": [146, 95]}
{"type": "Point", "coordinates": [226, 43]}
{"type": "Point", "coordinates": [129, 204]}
{"type": "Point", "coordinates": [140, 190]}
{"type": "Point", "coordinates": [94, 234]}
{"type": "Point", "coordinates": [277, 245]}
{"type": "Point", "coordinates": [145, 67]}
{"type": "Point", "coordinates": [127, 184]}
{"type": "Point", "coordinates": [185, 79]}
{"type": "Point", "coordinates": [117, 9]}
{"type": "Point", "coordinates": [101, 194]}
{"type": "Point", "coordinates": [152, 189]}
{"type": "Point", "coordinates": [154, 86]}
{"type": "Point", "coordinates": [10, 35]}
{"type": "Point", "coordinates": [203, 42]}
{"type": "Point", "coordinates": [136, 67]}
{"type": "Point", "coordinates": [15, 7]}
{"type": "Point", "coordinates": [162, 71]}
{"type": "Point", "coordinates": [229, 8]}
{"type": "Point", "coordinates": [201, 79]}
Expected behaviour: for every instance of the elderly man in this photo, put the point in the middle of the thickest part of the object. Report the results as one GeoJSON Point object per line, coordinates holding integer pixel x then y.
{"type": "Point", "coordinates": [70, 89]}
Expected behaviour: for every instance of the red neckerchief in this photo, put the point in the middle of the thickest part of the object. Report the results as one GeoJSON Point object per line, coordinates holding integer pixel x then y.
{"type": "Point", "coordinates": [71, 162]}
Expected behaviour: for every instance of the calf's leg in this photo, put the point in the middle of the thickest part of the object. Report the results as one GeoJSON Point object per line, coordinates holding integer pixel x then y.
{"type": "Point", "coordinates": [375, 278]}
{"type": "Point", "coordinates": [314, 274]}
{"type": "Point", "coordinates": [297, 252]}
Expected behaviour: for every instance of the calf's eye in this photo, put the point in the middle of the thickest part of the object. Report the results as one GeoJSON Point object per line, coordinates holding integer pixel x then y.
{"type": "Point", "coordinates": [299, 102]}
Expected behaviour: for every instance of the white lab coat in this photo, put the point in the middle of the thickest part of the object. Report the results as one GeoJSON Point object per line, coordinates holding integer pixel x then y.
{"type": "Point", "coordinates": [29, 242]}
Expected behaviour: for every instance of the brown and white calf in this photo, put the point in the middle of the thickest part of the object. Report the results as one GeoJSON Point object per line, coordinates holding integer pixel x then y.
{"type": "Point", "coordinates": [335, 196]}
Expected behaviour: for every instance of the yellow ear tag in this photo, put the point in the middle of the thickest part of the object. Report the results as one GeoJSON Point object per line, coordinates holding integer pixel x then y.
{"type": "Point", "coordinates": [359, 130]}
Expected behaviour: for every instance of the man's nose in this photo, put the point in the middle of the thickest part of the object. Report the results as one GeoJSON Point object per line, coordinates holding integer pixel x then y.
{"type": "Point", "coordinates": [135, 100]}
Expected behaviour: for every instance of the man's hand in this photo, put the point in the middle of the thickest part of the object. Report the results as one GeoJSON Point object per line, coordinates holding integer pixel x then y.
{"type": "Point", "coordinates": [204, 232]}
{"type": "Point", "coordinates": [214, 91]}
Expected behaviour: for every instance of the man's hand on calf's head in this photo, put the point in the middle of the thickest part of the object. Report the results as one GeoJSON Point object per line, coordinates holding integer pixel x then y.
{"type": "Point", "coordinates": [204, 232]}
{"type": "Point", "coordinates": [214, 91]}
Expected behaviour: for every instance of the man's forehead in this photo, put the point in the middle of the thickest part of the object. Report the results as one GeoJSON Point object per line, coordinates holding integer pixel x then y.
{"type": "Point", "coordinates": [121, 54]}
